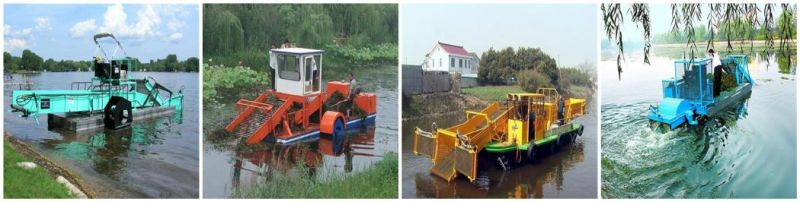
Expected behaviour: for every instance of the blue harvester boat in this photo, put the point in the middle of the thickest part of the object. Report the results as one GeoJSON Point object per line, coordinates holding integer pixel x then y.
{"type": "Point", "coordinates": [689, 95]}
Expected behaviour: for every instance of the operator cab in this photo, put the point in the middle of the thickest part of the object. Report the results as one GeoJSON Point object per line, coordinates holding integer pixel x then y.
{"type": "Point", "coordinates": [111, 68]}
{"type": "Point", "coordinates": [296, 71]}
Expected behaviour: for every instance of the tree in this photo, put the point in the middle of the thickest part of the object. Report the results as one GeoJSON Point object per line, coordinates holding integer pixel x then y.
{"type": "Point", "coordinates": [7, 61]}
{"type": "Point", "coordinates": [31, 61]}
{"type": "Point", "coordinates": [685, 16]}
{"type": "Point", "coordinates": [50, 65]}
{"type": "Point", "coordinates": [192, 64]}
{"type": "Point", "coordinates": [171, 63]}
{"type": "Point", "coordinates": [222, 30]}
{"type": "Point", "coordinates": [499, 67]}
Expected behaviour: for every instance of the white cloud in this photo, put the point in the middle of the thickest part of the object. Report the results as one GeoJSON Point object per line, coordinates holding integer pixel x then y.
{"type": "Point", "coordinates": [82, 28]}
{"type": "Point", "coordinates": [6, 29]}
{"type": "Point", "coordinates": [115, 21]}
{"type": "Point", "coordinates": [174, 37]}
{"type": "Point", "coordinates": [12, 44]}
{"type": "Point", "coordinates": [174, 25]}
{"type": "Point", "coordinates": [43, 24]}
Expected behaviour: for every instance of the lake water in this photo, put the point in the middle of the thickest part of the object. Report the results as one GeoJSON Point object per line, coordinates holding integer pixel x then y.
{"type": "Point", "coordinates": [154, 158]}
{"type": "Point", "coordinates": [228, 169]}
{"type": "Point", "coordinates": [749, 151]}
{"type": "Point", "coordinates": [570, 173]}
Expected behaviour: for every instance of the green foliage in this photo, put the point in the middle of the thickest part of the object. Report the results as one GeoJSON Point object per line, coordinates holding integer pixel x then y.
{"type": "Point", "coordinates": [497, 67]}
{"type": "Point", "coordinates": [15, 64]}
{"type": "Point", "coordinates": [385, 52]}
{"type": "Point", "coordinates": [34, 183]}
{"type": "Point", "coordinates": [574, 77]}
{"type": "Point", "coordinates": [359, 33]}
{"type": "Point", "coordinates": [221, 81]}
{"type": "Point", "coordinates": [378, 181]}
{"type": "Point", "coordinates": [492, 93]}
{"type": "Point", "coordinates": [787, 24]}
{"type": "Point", "coordinates": [223, 27]}
{"type": "Point", "coordinates": [31, 61]}
{"type": "Point", "coordinates": [531, 80]}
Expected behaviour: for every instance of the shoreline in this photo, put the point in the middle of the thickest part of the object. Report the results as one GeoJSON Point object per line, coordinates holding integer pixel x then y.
{"type": "Point", "coordinates": [49, 165]}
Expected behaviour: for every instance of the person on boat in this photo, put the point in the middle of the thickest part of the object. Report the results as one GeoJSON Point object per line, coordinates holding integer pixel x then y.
{"type": "Point", "coordinates": [718, 71]}
{"type": "Point", "coordinates": [354, 90]}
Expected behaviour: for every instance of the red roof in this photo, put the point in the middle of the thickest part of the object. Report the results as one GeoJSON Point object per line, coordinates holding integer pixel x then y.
{"type": "Point", "coordinates": [455, 50]}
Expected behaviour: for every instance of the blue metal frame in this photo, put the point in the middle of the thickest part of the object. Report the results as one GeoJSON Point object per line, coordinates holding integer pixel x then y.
{"type": "Point", "coordinates": [684, 99]}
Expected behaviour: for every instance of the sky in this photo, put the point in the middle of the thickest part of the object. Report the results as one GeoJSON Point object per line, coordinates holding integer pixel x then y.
{"type": "Point", "coordinates": [64, 31]}
{"type": "Point", "coordinates": [568, 33]}
{"type": "Point", "coordinates": [661, 20]}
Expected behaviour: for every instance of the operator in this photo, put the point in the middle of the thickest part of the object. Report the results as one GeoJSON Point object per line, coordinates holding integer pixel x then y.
{"type": "Point", "coordinates": [718, 71]}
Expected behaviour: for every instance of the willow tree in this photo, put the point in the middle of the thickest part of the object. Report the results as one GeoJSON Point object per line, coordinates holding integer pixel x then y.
{"type": "Point", "coordinates": [727, 20]}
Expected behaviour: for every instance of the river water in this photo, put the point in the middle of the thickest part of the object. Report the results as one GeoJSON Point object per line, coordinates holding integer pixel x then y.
{"type": "Point", "coordinates": [749, 151]}
{"type": "Point", "coordinates": [570, 173]}
{"type": "Point", "coordinates": [154, 158]}
{"type": "Point", "coordinates": [227, 169]}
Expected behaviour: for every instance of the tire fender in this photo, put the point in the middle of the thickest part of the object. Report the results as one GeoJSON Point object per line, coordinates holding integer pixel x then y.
{"type": "Point", "coordinates": [328, 122]}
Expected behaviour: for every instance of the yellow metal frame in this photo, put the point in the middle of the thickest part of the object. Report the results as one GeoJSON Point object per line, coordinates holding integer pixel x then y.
{"type": "Point", "coordinates": [494, 123]}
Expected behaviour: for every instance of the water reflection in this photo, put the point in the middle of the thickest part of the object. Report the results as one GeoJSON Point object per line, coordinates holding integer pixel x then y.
{"type": "Point", "coordinates": [267, 160]}
{"type": "Point", "coordinates": [107, 150]}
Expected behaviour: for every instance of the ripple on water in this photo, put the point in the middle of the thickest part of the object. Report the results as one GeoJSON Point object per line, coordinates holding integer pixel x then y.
{"type": "Point", "coordinates": [687, 162]}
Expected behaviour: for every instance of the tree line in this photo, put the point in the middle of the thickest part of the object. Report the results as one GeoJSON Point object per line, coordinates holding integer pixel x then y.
{"type": "Point", "coordinates": [31, 62]}
{"type": "Point", "coordinates": [501, 67]}
{"type": "Point", "coordinates": [738, 29]}
{"type": "Point", "coordinates": [245, 32]}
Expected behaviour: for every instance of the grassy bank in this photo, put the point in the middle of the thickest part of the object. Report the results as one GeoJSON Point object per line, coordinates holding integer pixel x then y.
{"type": "Point", "coordinates": [492, 93]}
{"type": "Point", "coordinates": [33, 183]}
{"type": "Point", "coordinates": [377, 181]}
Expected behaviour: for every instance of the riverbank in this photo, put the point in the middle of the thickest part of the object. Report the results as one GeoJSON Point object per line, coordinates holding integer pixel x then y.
{"type": "Point", "coordinates": [39, 182]}
{"type": "Point", "coordinates": [377, 181]}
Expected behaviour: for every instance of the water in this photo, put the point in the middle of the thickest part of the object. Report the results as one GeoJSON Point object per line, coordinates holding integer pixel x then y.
{"type": "Point", "coordinates": [748, 151]}
{"type": "Point", "coordinates": [227, 168]}
{"type": "Point", "coordinates": [154, 158]}
{"type": "Point", "coordinates": [570, 173]}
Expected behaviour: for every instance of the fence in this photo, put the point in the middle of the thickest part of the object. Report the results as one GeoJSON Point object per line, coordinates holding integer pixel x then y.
{"type": "Point", "coordinates": [416, 81]}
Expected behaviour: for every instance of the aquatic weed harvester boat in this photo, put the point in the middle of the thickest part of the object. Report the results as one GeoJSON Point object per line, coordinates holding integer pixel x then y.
{"type": "Point", "coordinates": [297, 108]}
{"type": "Point", "coordinates": [111, 91]}
{"type": "Point", "coordinates": [688, 97]}
{"type": "Point", "coordinates": [525, 127]}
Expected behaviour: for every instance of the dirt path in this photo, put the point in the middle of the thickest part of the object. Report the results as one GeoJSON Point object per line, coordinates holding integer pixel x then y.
{"type": "Point", "coordinates": [53, 168]}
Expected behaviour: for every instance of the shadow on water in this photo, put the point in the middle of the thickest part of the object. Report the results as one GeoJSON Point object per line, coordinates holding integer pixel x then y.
{"type": "Point", "coordinates": [746, 151]}
{"type": "Point", "coordinates": [571, 172]}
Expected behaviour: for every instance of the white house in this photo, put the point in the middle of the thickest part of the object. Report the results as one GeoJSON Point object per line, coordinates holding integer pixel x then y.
{"type": "Point", "coordinates": [451, 58]}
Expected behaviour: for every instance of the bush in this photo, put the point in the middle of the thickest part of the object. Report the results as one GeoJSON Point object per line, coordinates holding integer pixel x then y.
{"type": "Point", "coordinates": [530, 80]}
{"type": "Point", "coordinates": [385, 52]}
{"type": "Point", "coordinates": [231, 81]}
{"type": "Point", "coordinates": [571, 76]}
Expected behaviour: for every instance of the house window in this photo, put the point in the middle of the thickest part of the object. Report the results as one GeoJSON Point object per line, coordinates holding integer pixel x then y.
{"type": "Point", "coordinates": [460, 63]}
{"type": "Point", "coordinates": [440, 62]}
{"type": "Point", "coordinates": [452, 62]}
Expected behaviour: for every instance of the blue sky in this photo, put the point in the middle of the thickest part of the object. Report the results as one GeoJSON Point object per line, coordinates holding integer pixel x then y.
{"type": "Point", "coordinates": [567, 33]}
{"type": "Point", "coordinates": [64, 31]}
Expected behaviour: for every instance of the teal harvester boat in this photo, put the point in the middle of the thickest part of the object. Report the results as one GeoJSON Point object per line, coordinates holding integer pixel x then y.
{"type": "Point", "coordinates": [111, 91]}
{"type": "Point", "coordinates": [689, 95]}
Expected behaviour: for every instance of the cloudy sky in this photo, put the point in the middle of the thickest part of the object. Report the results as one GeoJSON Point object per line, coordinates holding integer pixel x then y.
{"type": "Point", "coordinates": [65, 31]}
{"type": "Point", "coordinates": [567, 32]}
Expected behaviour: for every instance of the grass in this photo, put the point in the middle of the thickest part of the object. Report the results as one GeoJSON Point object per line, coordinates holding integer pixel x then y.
{"type": "Point", "coordinates": [492, 93]}
{"type": "Point", "coordinates": [377, 181]}
{"type": "Point", "coordinates": [34, 183]}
